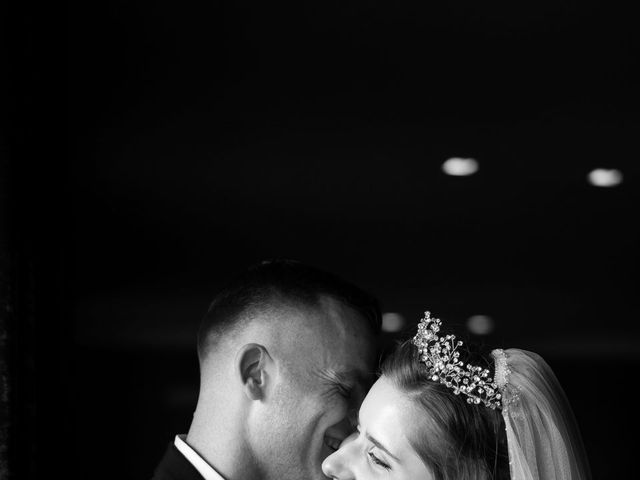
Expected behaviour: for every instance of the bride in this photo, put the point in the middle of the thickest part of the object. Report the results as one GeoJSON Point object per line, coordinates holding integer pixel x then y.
{"type": "Point", "coordinates": [433, 416]}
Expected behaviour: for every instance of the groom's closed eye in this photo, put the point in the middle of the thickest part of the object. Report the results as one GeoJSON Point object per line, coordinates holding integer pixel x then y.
{"type": "Point", "coordinates": [344, 390]}
{"type": "Point", "coordinates": [339, 383]}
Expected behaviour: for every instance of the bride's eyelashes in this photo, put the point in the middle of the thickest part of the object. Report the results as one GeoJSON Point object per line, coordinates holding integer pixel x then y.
{"type": "Point", "coordinates": [377, 461]}
{"type": "Point", "coordinates": [372, 457]}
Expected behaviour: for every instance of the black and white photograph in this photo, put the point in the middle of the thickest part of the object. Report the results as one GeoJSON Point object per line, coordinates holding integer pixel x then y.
{"type": "Point", "coordinates": [350, 240]}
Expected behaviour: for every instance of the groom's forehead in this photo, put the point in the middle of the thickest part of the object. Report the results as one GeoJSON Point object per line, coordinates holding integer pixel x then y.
{"type": "Point", "coordinates": [344, 359]}
{"type": "Point", "coordinates": [337, 322]}
{"type": "Point", "coordinates": [331, 337]}
{"type": "Point", "coordinates": [329, 323]}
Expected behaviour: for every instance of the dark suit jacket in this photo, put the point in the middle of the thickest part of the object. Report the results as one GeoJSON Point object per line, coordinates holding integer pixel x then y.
{"type": "Point", "coordinates": [174, 466]}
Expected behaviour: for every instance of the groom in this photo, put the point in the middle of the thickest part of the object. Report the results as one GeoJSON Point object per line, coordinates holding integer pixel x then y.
{"type": "Point", "coordinates": [287, 353]}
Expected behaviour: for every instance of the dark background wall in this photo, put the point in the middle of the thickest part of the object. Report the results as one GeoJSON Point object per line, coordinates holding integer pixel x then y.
{"type": "Point", "coordinates": [200, 137]}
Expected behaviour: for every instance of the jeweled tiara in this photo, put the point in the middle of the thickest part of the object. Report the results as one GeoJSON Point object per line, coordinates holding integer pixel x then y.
{"type": "Point", "coordinates": [440, 356]}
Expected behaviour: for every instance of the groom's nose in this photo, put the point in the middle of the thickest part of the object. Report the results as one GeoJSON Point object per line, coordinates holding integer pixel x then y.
{"type": "Point", "coordinates": [336, 465]}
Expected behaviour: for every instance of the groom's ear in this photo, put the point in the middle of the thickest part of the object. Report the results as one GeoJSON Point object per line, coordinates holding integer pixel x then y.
{"type": "Point", "coordinates": [252, 362]}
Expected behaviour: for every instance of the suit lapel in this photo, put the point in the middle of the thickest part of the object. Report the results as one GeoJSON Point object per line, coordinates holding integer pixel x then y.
{"type": "Point", "coordinates": [174, 466]}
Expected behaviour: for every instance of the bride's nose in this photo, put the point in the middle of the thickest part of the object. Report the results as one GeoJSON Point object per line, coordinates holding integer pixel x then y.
{"type": "Point", "coordinates": [337, 464]}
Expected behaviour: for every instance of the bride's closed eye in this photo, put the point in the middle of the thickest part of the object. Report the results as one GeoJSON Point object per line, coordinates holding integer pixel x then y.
{"type": "Point", "coordinates": [377, 461]}
{"type": "Point", "coordinates": [372, 456]}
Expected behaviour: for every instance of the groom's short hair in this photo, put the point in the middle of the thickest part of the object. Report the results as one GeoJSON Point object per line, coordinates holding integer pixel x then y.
{"type": "Point", "coordinates": [272, 284]}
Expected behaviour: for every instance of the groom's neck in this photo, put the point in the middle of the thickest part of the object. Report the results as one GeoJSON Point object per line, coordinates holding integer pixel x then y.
{"type": "Point", "coordinates": [218, 436]}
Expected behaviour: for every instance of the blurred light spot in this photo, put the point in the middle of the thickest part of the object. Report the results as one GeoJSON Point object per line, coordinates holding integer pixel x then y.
{"type": "Point", "coordinates": [392, 322]}
{"type": "Point", "coordinates": [460, 166]}
{"type": "Point", "coordinates": [480, 324]}
{"type": "Point", "coordinates": [601, 177]}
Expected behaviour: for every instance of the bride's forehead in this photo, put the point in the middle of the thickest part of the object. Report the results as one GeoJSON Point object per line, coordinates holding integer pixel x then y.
{"type": "Point", "coordinates": [384, 400]}
{"type": "Point", "coordinates": [388, 413]}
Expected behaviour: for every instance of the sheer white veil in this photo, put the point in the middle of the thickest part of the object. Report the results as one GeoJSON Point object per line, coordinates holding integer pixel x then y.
{"type": "Point", "coordinates": [542, 435]}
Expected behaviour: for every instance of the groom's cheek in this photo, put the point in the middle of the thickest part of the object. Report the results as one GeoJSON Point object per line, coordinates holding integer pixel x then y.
{"type": "Point", "coordinates": [340, 431]}
{"type": "Point", "coordinates": [355, 402]}
{"type": "Point", "coordinates": [353, 419]}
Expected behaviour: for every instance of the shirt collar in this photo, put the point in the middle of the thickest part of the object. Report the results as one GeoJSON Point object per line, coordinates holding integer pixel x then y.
{"type": "Point", "coordinates": [196, 460]}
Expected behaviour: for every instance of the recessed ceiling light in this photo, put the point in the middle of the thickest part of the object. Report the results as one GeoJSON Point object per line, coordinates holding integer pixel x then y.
{"type": "Point", "coordinates": [602, 177]}
{"type": "Point", "coordinates": [392, 322]}
{"type": "Point", "coordinates": [460, 167]}
{"type": "Point", "coordinates": [480, 324]}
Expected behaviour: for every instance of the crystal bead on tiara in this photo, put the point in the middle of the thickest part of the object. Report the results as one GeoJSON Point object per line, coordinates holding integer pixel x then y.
{"type": "Point", "coordinates": [440, 356]}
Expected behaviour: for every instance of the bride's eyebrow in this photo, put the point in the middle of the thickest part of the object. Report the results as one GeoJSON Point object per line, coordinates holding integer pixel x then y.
{"type": "Point", "coordinates": [381, 447]}
{"type": "Point", "coordinates": [377, 443]}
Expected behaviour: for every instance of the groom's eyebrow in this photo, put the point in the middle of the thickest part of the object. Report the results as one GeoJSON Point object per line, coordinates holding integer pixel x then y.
{"type": "Point", "coordinates": [355, 375]}
{"type": "Point", "coordinates": [352, 375]}
{"type": "Point", "coordinates": [355, 379]}
{"type": "Point", "coordinates": [351, 380]}
{"type": "Point", "coordinates": [346, 377]}
{"type": "Point", "coordinates": [343, 378]}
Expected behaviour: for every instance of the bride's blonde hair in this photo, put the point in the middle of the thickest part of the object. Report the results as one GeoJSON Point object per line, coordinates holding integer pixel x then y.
{"type": "Point", "coordinates": [456, 440]}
